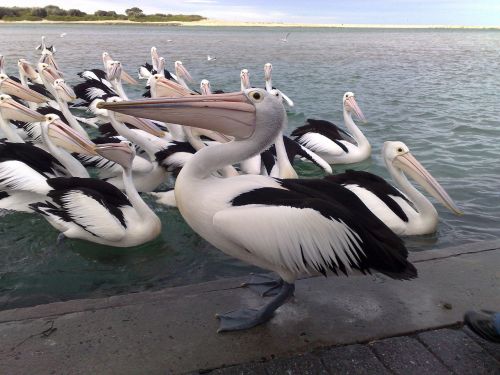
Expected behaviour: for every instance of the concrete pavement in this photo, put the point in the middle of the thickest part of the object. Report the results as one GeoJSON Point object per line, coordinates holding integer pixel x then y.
{"type": "Point", "coordinates": [174, 331]}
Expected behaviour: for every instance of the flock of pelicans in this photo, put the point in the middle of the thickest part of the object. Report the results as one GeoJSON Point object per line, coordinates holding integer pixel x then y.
{"type": "Point", "coordinates": [235, 184]}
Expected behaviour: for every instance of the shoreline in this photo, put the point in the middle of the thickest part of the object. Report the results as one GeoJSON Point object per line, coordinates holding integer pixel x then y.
{"type": "Point", "coordinates": [221, 23]}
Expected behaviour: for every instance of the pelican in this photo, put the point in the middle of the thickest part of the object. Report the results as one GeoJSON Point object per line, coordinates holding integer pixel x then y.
{"type": "Point", "coordinates": [96, 211]}
{"type": "Point", "coordinates": [284, 226]}
{"type": "Point", "coordinates": [157, 66]}
{"type": "Point", "coordinates": [268, 69]}
{"type": "Point", "coordinates": [407, 212]}
{"type": "Point", "coordinates": [24, 168]}
{"type": "Point", "coordinates": [2, 65]}
{"type": "Point", "coordinates": [107, 59]}
{"type": "Point", "coordinates": [182, 74]}
{"type": "Point", "coordinates": [330, 142]}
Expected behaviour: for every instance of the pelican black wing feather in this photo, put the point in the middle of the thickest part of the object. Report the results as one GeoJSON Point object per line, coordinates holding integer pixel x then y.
{"type": "Point", "coordinates": [375, 184]}
{"type": "Point", "coordinates": [106, 194]}
{"type": "Point", "coordinates": [382, 250]}
{"type": "Point", "coordinates": [38, 159]}
{"type": "Point", "coordinates": [325, 128]}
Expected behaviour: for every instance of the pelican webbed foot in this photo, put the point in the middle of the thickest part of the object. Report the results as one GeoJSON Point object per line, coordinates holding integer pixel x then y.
{"type": "Point", "coordinates": [60, 239]}
{"type": "Point", "coordinates": [240, 319]}
{"type": "Point", "coordinates": [264, 285]}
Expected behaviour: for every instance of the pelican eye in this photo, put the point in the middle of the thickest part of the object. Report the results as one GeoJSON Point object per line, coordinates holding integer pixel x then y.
{"type": "Point", "coordinates": [256, 96]}
{"type": "Point", "coordinates": [400, 149]}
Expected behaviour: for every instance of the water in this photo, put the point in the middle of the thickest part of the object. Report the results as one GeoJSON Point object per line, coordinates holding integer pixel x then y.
{"type": "Point", "coordinates": [435, 90]}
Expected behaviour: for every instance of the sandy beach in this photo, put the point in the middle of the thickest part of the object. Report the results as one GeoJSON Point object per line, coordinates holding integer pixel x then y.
{"type": "Point", "coordinates": [221, 23]}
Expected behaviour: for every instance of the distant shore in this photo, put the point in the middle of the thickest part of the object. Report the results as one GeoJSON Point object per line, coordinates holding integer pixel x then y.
{"type": "Point", "coordinates": [214, 22]}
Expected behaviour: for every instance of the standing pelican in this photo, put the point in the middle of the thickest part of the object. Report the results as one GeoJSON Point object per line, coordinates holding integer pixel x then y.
{"type": "Point", "coordinates": [330, 142]}
{"type": "Point", "coordinates": [285, 226]}
{"type": "Point", "coordinates": [408, 212]}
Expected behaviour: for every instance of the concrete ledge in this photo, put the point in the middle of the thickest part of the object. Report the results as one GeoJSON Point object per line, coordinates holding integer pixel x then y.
{"type": "Point", "coordinates": [174, 330]}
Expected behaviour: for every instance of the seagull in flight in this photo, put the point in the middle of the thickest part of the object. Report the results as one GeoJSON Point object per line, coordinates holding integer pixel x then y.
{"type": "Point", "coordinates": [210, 58]}
{"type": "Point", "coordinates": [63, 35]}
{"type": "Point", "coordinates": [285, 39]}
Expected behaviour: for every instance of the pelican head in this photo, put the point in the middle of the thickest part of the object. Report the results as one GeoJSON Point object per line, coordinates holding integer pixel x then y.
{"type": "Point", "coordinates": [26, 69]}
{"type": "Point", "coordinates": [268, 69]}
{"type": "Point", "coordinates": [114, 70]}
{"type": "Point", "coordinates": [232, 114]}
{"type": "Point", "coordinates": [245, 79]}
{"type": "Point", "coordinates": [106, 58]}
{"type": "Point", "coordinates": [122, 153]}
{"type": "Point", "coordinates": [11, 87]}
{"type": "Point", "coordinates": [182, 72]}
{"type": "Point", "coordinates": [351, 106]}
{"type": "Point", "coordinates": [64, 91]}
{"type": "Point", "coordinates": [205, 87]}
{"type": "Point", "coordinates": [12, 110]}
{"type": "Point", "coordinates": [155, 58]}
{"type": "Point", "coordinates": [65, 137]}
{"type": "Point", "coordinates": [48, 73]}
{"type": "Point", "coordinates": [398, 154]}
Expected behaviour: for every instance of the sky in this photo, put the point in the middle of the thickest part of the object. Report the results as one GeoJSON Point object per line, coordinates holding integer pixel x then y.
{"type": "Point", "coordinates": [414, 12]}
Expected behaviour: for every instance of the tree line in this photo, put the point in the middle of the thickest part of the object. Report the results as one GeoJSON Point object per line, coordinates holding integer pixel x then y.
{"type": "Point", "coordinates": [54, 13]}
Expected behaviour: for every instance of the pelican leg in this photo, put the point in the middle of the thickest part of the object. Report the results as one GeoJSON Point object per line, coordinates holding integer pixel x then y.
{"type": "Point", "coordinates": [264, 285]}
{"type": "Point", "coordinates": [247, 318]}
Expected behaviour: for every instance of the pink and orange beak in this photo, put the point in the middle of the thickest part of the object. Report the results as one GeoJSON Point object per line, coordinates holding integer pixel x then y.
{"type": "Point", "coordinates": [182, 72]}
{"type": "Point", "coordinates": [141, 123]}
{"type": "Point", "coordinates": [12, 110]}
{"type": "Point", "coordinates": [48, 73]}
{"type": "Point", "coordinates": [231, 114]}
{"type": "Point", "coordinates": [353, 105]}
{"type": "Point", "coordinates": [122, 153]}
{"type": "Point", "coordinates": [64, 136]}
{"type": "Point", "coordinates": [27, 69]}
{"type": "Point", "coordinates": [11, 87]}
{"type": "Point", "coordinates": [169, 89]}
{"type": "Point", "coordinates": [65, 92]}
{"type": "Point", "coordinates": [411, 166]}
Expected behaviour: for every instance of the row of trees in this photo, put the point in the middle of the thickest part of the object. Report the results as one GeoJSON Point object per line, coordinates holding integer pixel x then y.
{"type": "Point", "coordinates": [54, 13]}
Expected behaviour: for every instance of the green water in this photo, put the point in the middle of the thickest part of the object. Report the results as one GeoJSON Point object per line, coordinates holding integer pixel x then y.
{"type": "Point", "coordinates": [435, 90]}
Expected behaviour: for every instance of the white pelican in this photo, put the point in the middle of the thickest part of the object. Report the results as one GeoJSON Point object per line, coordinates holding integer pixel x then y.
{"type": "Point", "coordinates": [96, 211]}
{"type": "Point", "coordinates": [182, 74]}
{"type": "Point", "coordinates": [408, 212]}
{"type": "Point", "coordinates": [279, 225]}
{"type": "Point", "coordinates": [157, 66]}
{"type": "Point", "coordinates": [24, 168]}
{"type": "Point", "coordinates": [329, 141]}
{"type": "Point", "coordinates": [268, 70]}
{"type": "Point", "coordinates": [107, 59]}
